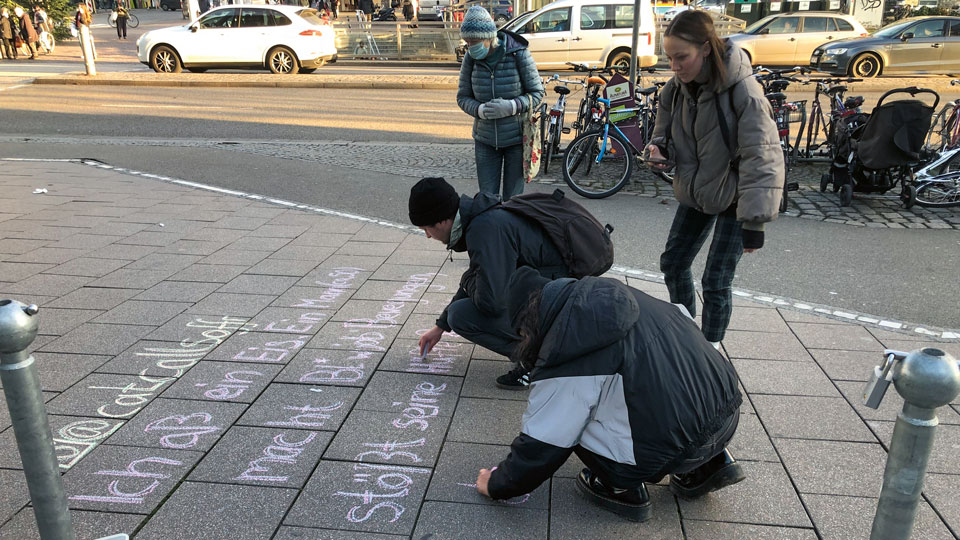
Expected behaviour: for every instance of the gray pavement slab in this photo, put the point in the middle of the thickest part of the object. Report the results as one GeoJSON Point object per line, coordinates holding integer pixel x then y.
{"type": "Point", "coordinates": [307, 256]}
{"type": "Point", "coordinates": [73, 438]}
{"type": "Point", "coordinates": [292, 406]}
{"type": "Point", "coordinates": [760, 346]}
{"type": "Point", "coordinates": [13, 271]}
{"type": "Point", "coordinates": [90, 338]}
{"type": "Point", "coordinates": [851, 518]}
{"type": "Point", "coordinates": [718, 530]}
{"type": "Point", "coordinates": [347, 336]}
{"type": "Point", "coordinates": [777, 377]}
{"type": "Point", "coordinates": [231, 256]}
{"type": "Point", "coordinates": [144, 312]}
{"type": "Point", "coordinates": [87, 525]}
{"type": "Point", "coordinates": [890, 407]}
{"type": "Point", "coordinates": [323, 298]}
{"type": "Point", "coordinates": [831, 336]}
{"type": "Point", "coordinates": [833, 468]}
{"type": "Point", "coordinates": [379, 437]}
{"type": "Point", "coordinates": [573, 517]}
{"type": "Point", "coordinates": [275, 457]}
{"type": "Point", "coordinates": [179, 424]}
{"type": "Point", "coordinates": [170, 262]}
{"type": "Point", "coordinates": [253, 283]}
{"type": "Point", "coordinates": [941, 491]}
{"type": "Point", "coordinates": [13, 493]}
{"type": "Point", "coordinates": [153, 359]}
{"type": "Point", "coordinates": [201, 511]}
{"type": "Point", "coordinates": [290, 320]}
{"type": "Point", "coordinates": [59, 372]}
{"type": "Point", "coordinates": [753, 319]}
{"type": "Point", "coordinates": [126, 278]}
{"type": "Point", "coordinates": [384, 249]}
{"type": "Point", "coordinates": [259, 347]}
{"type": "Point", "coordinates": [417, 397]}
{"type": "Point", "coordinates": [388, 290]}
{"type": "Point", "coordinates": [237, 305]}
{"type": "Point", "coordinates": [338, 275]}
{"type": "Point", "coordinates": [456, 521]}
{"type": "Point", "coordinates": [374, 312]}
{"type": "Point", "coordinates": [49, 284]}
{"type": "Point", "coordinates": [123, 251]}
{"type": "Point", "coordinates": [367, 497]}
{"type": "Point", "coordinates": [178, 291]}
{"type": "Point", "coordinates": [215, 273]}
{"type": "Point", "coordinates": [93, 298]}
{"type": "Point", "coordinates": [196, 328]}
{"type": "Point", "coordinates": [222, 381]}
{"type": "Point", "coordinates": [87, 267]}
{"type": "Point", "coordinates": [455, 477]}
{"type": "Point", "coordinates": [330, 367]}
{"type": "Point", "coordinates": [788, 416]}
{"type": "Point", "coordinates": [291, 264]}
{"type": "Point", "coordinates": [303, 533]}
{"type": "Point", "coordinates": [486, 421]}
{"type": "Point", "coordinates": [111, 396]}
{"type": "Point", "coordinates": [943, 456]}
{"type": "Point", "coordinates": [751, 442]}
{"type": "Point", "coordinates": [126, 479]}
{"type": "Point", "coordinates": [40, 255]}
{"type": "Point", "coordinates": [481, 381]}
{"type": "Point", "coordinates": [847, 365]}
{"type": "Point", "coordinates": [446, 358]}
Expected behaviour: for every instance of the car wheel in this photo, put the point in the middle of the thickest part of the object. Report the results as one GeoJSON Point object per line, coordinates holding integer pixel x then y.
{"type": "Point", "coordinates": [501, 19]}
{"type": "Point", "coordinates": [866, 66]}
{"type": "Point", "coordinates": [197, 70]}
{"type": "Point", "coordinates": [163, 59]}
{"type": "Point", "coordinates": [282, 61]}
{"type": "Point", "coordinates": [621, 60]}
{"type": "Point", "coordinates": [307, 70]}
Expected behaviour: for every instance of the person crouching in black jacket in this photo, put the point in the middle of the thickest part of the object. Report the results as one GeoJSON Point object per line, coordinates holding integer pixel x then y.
{"type": "Point", "coordinates": [625, 381]}
{"type": "Point", "coordinates": [498, 242]}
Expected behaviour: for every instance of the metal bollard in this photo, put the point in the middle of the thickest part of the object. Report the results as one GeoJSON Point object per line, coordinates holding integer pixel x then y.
{"type": "Point", "coordinates": [18, 372]}
{"type": "Point", "coordinates": [926, 379]}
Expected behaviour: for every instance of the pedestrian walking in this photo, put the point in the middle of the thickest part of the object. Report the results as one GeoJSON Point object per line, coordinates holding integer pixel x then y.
{"type": "Point", "coordinates": [41, 25]}
{"type": "Point", "coordinates": [27, 32]}
{"type": "Point", "coordinates": [716, 127]}
{"type": "Point", "coordinates": [335, 7]}
{"type": "Point", "coordinates": [625, 381]}
{"type": "Point", "coordinates": [7, 33]}
{"type": "Point", "coordinates": [122, 17]}
{"type": "Point", "coordinates": [497, 242]}
{"type": "Point", "coordinates": [499, 83]}
{"type": "Point", "coordinates": [407, 10]}
{"type": "Point", "coordinates": [83, 19]}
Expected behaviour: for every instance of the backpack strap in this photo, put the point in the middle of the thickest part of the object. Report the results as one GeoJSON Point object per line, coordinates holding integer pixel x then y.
{"type": "Point", "coordinates": [725, 129]}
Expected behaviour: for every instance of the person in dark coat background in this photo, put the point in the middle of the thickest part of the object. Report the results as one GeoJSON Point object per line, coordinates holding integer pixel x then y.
{"type": "Point", "coordinates": [498, 242]}
{"type": "Point", "coordinates": [27, 32]}
{"type": "Point", "coordinates": [625, 381]}
{"type": "Point", "coordinates": [6, 34]}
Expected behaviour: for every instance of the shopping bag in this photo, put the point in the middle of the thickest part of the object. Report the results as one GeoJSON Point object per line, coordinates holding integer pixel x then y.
{"type": "Point", "coordinates": [113, 16]}
{"type": "Point", "coordinates": [531, 144]}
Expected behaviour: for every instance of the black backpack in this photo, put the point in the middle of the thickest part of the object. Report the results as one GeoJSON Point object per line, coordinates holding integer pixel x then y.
{"type": "Point", "coordinates": [584, 243]}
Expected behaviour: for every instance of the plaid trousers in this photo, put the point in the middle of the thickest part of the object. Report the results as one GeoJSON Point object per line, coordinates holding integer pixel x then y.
{"type": "Point", "coordinates": [687, 235]}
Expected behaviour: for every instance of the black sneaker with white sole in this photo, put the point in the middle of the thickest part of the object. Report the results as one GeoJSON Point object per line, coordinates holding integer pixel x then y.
{"type": "Point", "coordinates": [632, 504]}
{"type": "Point", "coordinates": [517, 379]}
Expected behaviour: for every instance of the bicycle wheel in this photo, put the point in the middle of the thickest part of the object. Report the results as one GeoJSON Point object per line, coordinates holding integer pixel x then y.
{"type": "Point", "coordinates": [596, 166]}
{"type": "Point", "coordinates": [939, 192]}
{"type": "Point", "coordinates": [48, 41]}
{"type": "Point", "coordinates": [547, 145]}
{"type": "Point", "coordinates": [112, 22]}
{"type": "Point", "coordinates": [786, 168]}
{"type": "Point", "coordinates": [133, 21]}
{"type": "Point", "coordinates": [941, 130]}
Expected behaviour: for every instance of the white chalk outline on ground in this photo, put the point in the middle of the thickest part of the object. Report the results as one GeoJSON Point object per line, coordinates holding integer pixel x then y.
{"type": "Point", "coordinates": [762, 298]}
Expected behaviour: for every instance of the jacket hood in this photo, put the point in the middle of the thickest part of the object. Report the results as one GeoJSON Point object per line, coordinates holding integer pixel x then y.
{"type": "Point", "coordinates": [580, 317]}
{"type": "Point", "coordinates": [471, 207]}
{"type": "Point", "coordinates": [513, 42]}
{"type": "Point", "coordinates": [738, 65]}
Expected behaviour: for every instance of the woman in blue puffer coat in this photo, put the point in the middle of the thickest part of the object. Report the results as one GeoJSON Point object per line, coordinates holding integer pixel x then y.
{"type": "Point", "coordinates": [499, 83]}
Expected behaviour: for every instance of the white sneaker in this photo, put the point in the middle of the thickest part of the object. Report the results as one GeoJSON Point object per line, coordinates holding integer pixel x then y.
{"type": "Point", "coordinates": [716, 345]}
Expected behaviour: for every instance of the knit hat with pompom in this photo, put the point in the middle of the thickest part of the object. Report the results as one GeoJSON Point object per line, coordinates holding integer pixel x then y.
{"type": "Point", "coordinates": [478, 24]}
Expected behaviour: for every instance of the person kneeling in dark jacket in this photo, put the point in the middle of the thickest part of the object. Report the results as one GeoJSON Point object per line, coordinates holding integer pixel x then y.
{"type": "Point", "coordinates": [498, 242]}
{"type": "Point", "coordinates": [625, 381]}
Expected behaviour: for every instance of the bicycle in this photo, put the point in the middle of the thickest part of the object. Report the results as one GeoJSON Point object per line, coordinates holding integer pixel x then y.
{"type": "Point", "coordinates": [554, 125]}
{"type": "Point", "coordinates": [938, 184]}
{"type": "Point", "coordinates": [132, 20]}
{"type": "Point", "coordinates": [822, 123]}
{"type": "Point", "coordinates": [47, 41]}
{"type": "Point", "coordinates": [944, 131]}
{"type": "Point", "coordinates": [784, 113]}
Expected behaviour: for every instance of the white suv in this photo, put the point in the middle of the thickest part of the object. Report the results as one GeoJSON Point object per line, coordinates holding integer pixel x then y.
{"type": "Point", "coordinates": [283, 39]}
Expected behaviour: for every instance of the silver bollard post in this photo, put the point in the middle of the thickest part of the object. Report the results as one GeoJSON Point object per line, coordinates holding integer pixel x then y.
{"type": "Point", "coordinates": [18, 372]}
{"type": "Point", "coordinates": [926, 379]}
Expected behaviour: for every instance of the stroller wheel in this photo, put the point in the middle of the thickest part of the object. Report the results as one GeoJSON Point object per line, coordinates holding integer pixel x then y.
{"type": "Point", "coordinates": [825, 180]}
{"type": "Point", "coordinates": [846, 195]}
{"type": "Point", "coordinates": [909, 196]}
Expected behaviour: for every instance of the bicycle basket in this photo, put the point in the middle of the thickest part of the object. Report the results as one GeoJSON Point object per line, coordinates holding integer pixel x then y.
{"type": "Point", "coordinates": [796, 112]}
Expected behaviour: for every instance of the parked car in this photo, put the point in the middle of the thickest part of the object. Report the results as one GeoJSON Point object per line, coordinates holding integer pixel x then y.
{"type": "Point", "coordinates": [170, 5]}
{"type": "Point", "coordinates": [915, 45]}
{"type": "Point", "coordinates": [500, 10]}
{"type": "Point", "coordinates": [788, 39]}
{"type": "Point", "coordinates": [283, 39]}
{"type": "Point", "coordinates": [713, 7]}
{"type": "Point", "coordinates": [593, 32]}
{"type": "Point", "coordinates": [431, 10]}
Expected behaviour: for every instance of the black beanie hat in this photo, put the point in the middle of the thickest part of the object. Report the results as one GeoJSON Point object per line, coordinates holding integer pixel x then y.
{"type": "Point", "coordinates": [523, 282]}
{"type": "Point", "coordinates": [432, 200]}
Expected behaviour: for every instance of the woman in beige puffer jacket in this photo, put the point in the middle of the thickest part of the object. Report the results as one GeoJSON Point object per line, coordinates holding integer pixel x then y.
{"type": "Point", "coordinates": [717, 128]}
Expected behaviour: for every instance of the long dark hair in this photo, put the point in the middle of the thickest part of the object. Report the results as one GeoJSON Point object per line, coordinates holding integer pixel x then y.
{"type": "Point", "coordinates": [696, 27]}
{"type": "Point", "coordinates": [528, 326]}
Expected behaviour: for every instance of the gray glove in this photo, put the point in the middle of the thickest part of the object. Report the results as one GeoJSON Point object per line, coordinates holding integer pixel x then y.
{"type": "Point", "coordinates": [498, 108]}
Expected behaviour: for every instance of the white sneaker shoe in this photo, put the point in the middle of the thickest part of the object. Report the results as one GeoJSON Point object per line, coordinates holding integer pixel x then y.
{"type": "Point", "coordinates": [716, 345]}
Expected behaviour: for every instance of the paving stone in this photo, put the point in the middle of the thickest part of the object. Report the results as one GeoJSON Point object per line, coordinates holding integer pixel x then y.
{"type": "Point", "coordinates": [783, 416]}
{"type": "Point", "coordinates": [122, 251]}
{"type": "Point", "coordinates": [383, 249]}
{"type": "Point", "coordinates": [73, 438]}
{"type": "Point", "coordinates": [290, 320]}
{"type": "Point", "coordinates": [941, 490]}
{"type": "Point", "coordinates": [83, 266]}
{"type": "Point", "coordinates": [951, 348]}
{"type": "Point", "coordinates": [486, 354]}
{"type": "Point", "coordinates": [352, 494]}
{"type": "Point", "coordinates": [301, 407]}
{"type": "Point", "coordinates": [19, 247]}
{"type": "Point", "coordinates": [396, 392]}
{"type": "Point", "coordinates": [335, 276]}
{"type": "Point", "coordinates": [259, 348]}
{"type": "Point", "coordinates": [193, 247]}
{"type": "Point", "coordinates": [93, 298]}
{"type": "Point", "coordinates": [154, 359]}
{"type": "Point", "coordinates": [293, 268]}
{"type": "Point", "coordinates": [481, 381]}
{"type": "Point", "coordinates": [45, 254]}
{"type": "Point", "coordinates": [114, 396]}
{"type": "Point", "coordinates": [90, 338]}
{"type": "Point", "coordinates": [777, 377]}
{"type": "Point", "coordinates": [222, 273]}
{"type": "Point", "coordinates": [181, 291]}
{"type": "Point", "coordinates": [890, 406]}
{"type": "Point", "coordinates": [391, 290]}
{"type": "Point", "coordinates": [487, 421]}
{"type": "Point", "coordinates": [237, 257]}
{"type": "Point", "coordinates": [442, 520]}
{"type": "Point", "coordinates": [319, 238]}
{"type": "Point", "coordinates": [401, 272]}
{"type": "Point", "coordinates": [278, 231]}
{"type": "Point", "coordinates": [751, 442]}
{"type": "Point", "coordinates": [313, 298]}
{"type": "Point", "coordinates": [61, 371]}
{"type": "Point", "coordinates": [274, 457]}
{"type": "Point", "coordinates": [374, 312]}
{"type": "Point", "coordinates": [249, 243]}
{"type": "Point", "coordinates": [238, 305]}
{"type": "Point", "coordinates": [851, 518]}
{"type": "Point", "coordinates": [206, 329]}
{"type": "Point", "coordinates": [179, 424]}
{"type": "Point", "coordinates": [572, 517]}
{"type": "Point", "coordinates": [59, 321]}
{"type": "Point", "coordinates": [717, 530]}
{"type": "Point", "coordinates": [831, 336]}
{"type": "Point", "coordinates": [126, 478]}
{"type": "Point", "coordinates": [143, 312]}
{"type": "Point", "coordinates": [86, 525]}
{"type": "Point", "coordinates": [354, 337]}
{"type": "Point", "coordinates": [13, 493]}
{"type": "Point", "coordinates": [131, 279]}
{"type": "Point", "coordinates": [258, 284]}
{"type": "Point", "coordinates": [214, 234]}
{"type": "Point", "coordinates": [792, 315]}
{"type": "Point", "coordinates": [766, 497]}
{"type": "Point", "coordinates": [222, 381]}
{"type": "Point", "coordinates": [198, 511]}
{"type": "Point", "coordinates": [455, 477]}
{"type": "Point", "coordinates": [446, 358]}
{"type": "Point", "coordinates": [758, 320]}
{"type": "Point", "coordinates": [847, 365]}
{"type": "Point", "coordinates": [946, 442]}
{"type": "Point", "coordinates": [408, 257]}
{"type": "Point", "coordinates": [840, 468]}
{"type": "Point", "coordinates": [49, 284]}
{"type": "Point", "coordinates": [884, 335]}
{"type": "Point", "coordinates": [15, 271]}
{"type": "Point", "coordinates": [371, 232]}
{"type": "Point", "coordinates": [171, 262]}
{"type": "Point", "coordinates": [759, 346]}
{"type": "Point", "coordinates": [419, 324]}
{"type": "Point", "coordinates": [412, 438]}
{"type": "Point", "coordinates": [152, 238]}
{"type": "Point", "coordinates": [302, 533]}
{"type": "Point", "coordinates": [310, 255]}
{"type": "Point", "coordinates": [327, 367]}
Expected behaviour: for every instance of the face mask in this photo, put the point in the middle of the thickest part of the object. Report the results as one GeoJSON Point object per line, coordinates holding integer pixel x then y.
{"type": "Point", "coordinates": [479, 51]}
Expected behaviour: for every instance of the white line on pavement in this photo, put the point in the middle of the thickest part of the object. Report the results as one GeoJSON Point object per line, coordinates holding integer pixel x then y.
{"type": "Point", "coordinates": [153, 106]}
{"type": "Point", "coordinates": [771, 299]}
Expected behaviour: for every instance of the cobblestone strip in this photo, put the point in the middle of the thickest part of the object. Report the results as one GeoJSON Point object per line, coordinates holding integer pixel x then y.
{"type": "Point", "coordinates": [455, 160]}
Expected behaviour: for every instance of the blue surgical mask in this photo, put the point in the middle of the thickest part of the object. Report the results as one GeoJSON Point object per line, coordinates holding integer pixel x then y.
{"type": "Point", "coordinates": [479, 51]}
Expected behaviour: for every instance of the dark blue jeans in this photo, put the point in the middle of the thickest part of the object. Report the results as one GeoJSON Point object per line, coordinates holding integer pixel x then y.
{"type": "Point", "coordinates": [496, 164]}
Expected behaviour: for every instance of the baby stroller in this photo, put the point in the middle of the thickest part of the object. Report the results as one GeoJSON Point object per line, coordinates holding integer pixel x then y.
{"type": "Point", "coordinates": [874, 155]}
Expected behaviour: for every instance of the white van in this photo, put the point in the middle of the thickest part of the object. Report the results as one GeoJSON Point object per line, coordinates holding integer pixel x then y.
{"type": "Point", "coordinates": [593, 32]}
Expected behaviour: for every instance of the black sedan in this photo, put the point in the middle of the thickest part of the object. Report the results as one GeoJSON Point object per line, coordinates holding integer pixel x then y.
{"type": "Point", "coordinates": [915, 45]}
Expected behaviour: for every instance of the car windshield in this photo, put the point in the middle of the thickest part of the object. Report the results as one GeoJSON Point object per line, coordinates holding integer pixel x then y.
{"type": "Point", "coordinates": [892, 30]}
{"type": "Point", "coordinates": [311, 16]}
{"type": "Point", "coordinates": [755, 27]}
{"type": "Point", "coordinates": [518, 21]}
